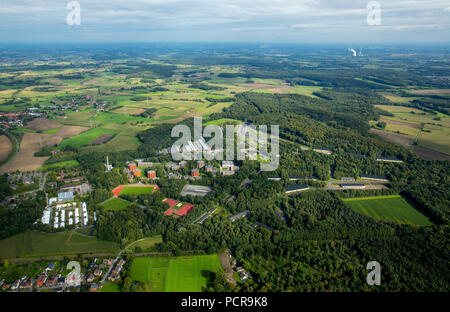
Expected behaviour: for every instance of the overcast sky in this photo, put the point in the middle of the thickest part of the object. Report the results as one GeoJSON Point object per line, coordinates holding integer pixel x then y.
{"type": "Point", "coordinates": [343, 21]}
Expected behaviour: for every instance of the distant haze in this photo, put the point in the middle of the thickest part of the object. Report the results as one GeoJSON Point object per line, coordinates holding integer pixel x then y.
{"type": "Point", "coordinates": [296, 21]}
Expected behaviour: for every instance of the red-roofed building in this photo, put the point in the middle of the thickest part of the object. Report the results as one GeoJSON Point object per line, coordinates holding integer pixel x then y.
{"type": "Point", "coordinates": [185, 210]}
{"type": "Point", "coordinates": [195, 173]}
{"type": "Point", "coordinates": [137, 173]}
{"type": "Point", "coordinates": [151, 174]}
{"type": "Point", "coordinates": [132, 166]}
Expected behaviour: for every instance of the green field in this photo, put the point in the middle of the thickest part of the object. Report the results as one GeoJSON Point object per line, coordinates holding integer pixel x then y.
{"type": "Point", "coordinates": [116, 204]}
{"type": "Point", "coordinates": [37, 244]}
{"type": "Point", "coordinates": [111, 287]}
{"type": "Point", "coordinates": [146, 244]}
{"type": "Point", "coordinates": [62, 164]}
{"type": "Point", "coordinates": [137, 190]}
{"type": "Point", "coordinates": [174, 274]}
{"type": "Point", "coordinates": [85, 138]}
{"type": "Point", "coordinates": [392, 208]}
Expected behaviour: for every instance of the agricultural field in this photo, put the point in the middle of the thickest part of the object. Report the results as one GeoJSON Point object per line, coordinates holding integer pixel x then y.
{"type": "Point", "coordinates": [388, 208]}
{"type": "Point", "coordinates": [430, 132]}
{"type": "Point", "coordinates": [5, 147]}
{"type": "Point", "coordinates": [25, 160]}
{"type": "Point", "coordinates": [174, 274]}
{"type": "Point", "coordinates": [116, 204]}
{"type": "Point", "coordinates": [38, 244]}
{"type": "Point", "coordinates": [86, 138]}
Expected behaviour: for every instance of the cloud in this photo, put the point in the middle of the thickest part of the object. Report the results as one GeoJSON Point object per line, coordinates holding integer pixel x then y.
{"type": "Point", "coordinates": [266, 20]}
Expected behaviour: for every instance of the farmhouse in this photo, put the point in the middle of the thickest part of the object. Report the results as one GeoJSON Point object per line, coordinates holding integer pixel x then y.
{"type": "Point", "coordinates": [296, 188]}
{"type": "Point", "coordinates": [374, 178]}
{"type": "Point", "coordinates": [238, 216]}
{"type": "Point", "coordinates": [353, 186]}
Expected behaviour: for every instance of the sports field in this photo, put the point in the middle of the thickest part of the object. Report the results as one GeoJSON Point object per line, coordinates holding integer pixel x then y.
{"type": "Point", "coordinates": [134, 189]}
{"type": "Point", "coordinates": [174, 274]}
{"type": "Point", "coordinates": [116, 204]}
{"type": "Point", "coordinates": [36, 244]}
{"type": "Point", "coordinates": [392, 208]}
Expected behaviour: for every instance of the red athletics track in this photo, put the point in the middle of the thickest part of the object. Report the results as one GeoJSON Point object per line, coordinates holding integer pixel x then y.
{"type": "Point", "coordinates": [118, 189]}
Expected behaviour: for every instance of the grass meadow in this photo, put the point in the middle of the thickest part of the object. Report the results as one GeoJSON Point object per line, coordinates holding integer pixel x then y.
{"type": "Point", "coordinates": [174, 274]}
{"type": "Point", "coordinates": [392, 208]}
{"type": "Point", "coordinates": [38, 244]}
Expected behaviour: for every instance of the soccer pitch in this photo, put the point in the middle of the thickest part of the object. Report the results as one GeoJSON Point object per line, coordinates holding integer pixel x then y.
{"type": "Point", "coordinates": [174, 274]}
{"type": "Point", "coordinates": [388, 208]}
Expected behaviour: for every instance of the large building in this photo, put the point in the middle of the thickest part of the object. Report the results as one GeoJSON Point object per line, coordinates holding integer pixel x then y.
{"type": "Point", "coordinates": [353, 186]}
{"type": "Point", "coordinates": [388, 159]}
{"type": "Point", "coordinates": [296, 189]}
{"type": "Point", "coordinates": [151, 174]}
{"type": "Point", "coordinates": [374, 178]}
{"type": "Point", "coordinates": [81, 189]}
{"type": "Point", "coordinates": [132, 166]}
{"type": "Point", "coordinates": [65, 196]}
{"type": "Point", "coordinates": [239, 215]}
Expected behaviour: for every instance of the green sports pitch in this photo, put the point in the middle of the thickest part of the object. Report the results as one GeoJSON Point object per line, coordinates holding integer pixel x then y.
{"type": "Point", "coordinates": [393, 208]}
{"type": "Point", "coordinates": [115, 204]}
{"type": "Point", "coordinates": [174, 274]}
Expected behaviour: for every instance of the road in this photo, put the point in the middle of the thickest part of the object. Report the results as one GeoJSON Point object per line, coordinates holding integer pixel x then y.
{"type": "Point", "coordinates": [105, 276]}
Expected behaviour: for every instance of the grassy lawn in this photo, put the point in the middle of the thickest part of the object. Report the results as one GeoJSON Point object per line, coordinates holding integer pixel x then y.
{"type": "Point", "coordinates": [146, 244]}
{"type": "Point", "coordinates": [174, 274]}
{"type": "Point", "coordinates": [36, 244]}
{"type": "Point", "coordinates": [137, 190]}
{"type": "Point", "coordinates": [111, 287]}
{"type": "Point", "coordinates": [392, 208]}
{"type": "Point", "coordinates": [116, 204]}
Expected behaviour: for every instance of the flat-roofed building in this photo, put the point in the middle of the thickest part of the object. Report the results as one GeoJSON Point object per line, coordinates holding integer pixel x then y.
{"type": "Point", "coordinates": [296, 189]}
{"type": "Point", "coordinates": [353, 186]}
{"type": "Point", "coordinates": [389, 159]}
{"type": "Point", "coordinates": [374, 178]}
{"type": "Point", "coordinates": [151, 174]}
{"type": "Point", "coordinates": [240, 215]}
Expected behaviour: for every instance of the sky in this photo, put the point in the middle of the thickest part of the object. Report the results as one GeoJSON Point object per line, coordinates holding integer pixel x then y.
{"type": "Point", "coordinates": [263, 21]}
